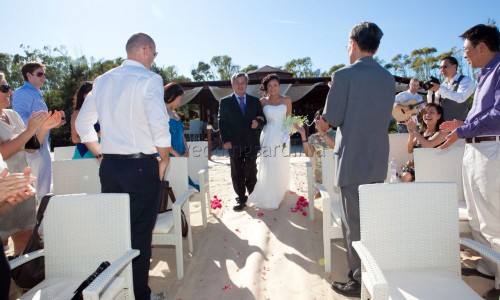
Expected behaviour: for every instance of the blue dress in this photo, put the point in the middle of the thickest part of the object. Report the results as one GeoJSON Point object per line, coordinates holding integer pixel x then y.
{"type": "Point", "coordinates": [177, 141]}
{"type": "Point", "coordinates": [81, 151]}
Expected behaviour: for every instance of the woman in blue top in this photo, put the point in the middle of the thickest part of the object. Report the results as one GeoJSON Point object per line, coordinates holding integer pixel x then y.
{"type": "Point", "coordinates": [81, 150]}
{"type": "Point", "coordinates": [172, 97]}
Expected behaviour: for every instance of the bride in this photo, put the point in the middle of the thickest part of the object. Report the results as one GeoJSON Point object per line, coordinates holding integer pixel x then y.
{"type": "Point", "coordinates": [273, 177]}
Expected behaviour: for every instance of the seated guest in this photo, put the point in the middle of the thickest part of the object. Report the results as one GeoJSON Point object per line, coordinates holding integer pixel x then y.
{"type": "Point", "coordinates": [172, 97]}
{"type": "Point", "coordinates": [81, 151]}
{"type": "Point", "coordinates": [14, 136]}
{"type": "Point", "coordinates": [429, 137]}
{"type": "Point", "coordinates": [317, 142]}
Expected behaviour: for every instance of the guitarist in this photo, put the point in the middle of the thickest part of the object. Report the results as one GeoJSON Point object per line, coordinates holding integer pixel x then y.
{"type": "Point", "coordinates": [403, 97]}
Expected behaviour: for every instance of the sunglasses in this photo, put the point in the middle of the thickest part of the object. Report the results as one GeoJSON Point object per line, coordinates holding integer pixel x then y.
{"type": "Point", "coordinates": [4, 88]}
{"type": "Point", "coordinates": [39, 74]}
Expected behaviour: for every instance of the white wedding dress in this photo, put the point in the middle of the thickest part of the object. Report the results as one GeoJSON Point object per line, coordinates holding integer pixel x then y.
{"type": "Point", "coordinates": [273, 177]}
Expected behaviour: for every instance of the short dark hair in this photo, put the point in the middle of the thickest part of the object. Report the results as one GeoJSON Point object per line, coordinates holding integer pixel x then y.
{"type": "Point", "coordinates": [266, 80]}
{"type": "Point", "coordinates": [30, 67]}
{"type": "Point", "coordinates": [83, 90]}
{"type": "Point", "coordinates": [451, 59]}
{"type": "Point", "coordinates": [367, 35]}
{"type": "Point", "coordinates": [172, 91]}
{"type": "Point", "coordinates": [488, 34]}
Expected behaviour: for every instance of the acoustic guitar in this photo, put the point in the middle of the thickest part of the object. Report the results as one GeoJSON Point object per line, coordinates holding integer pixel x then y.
{"type": "Point", "coordinates": [401, 115]}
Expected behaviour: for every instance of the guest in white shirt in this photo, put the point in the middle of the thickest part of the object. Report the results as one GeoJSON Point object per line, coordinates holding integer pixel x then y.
{"type": "Point", "coordinates": [454, 92]}
{"type": "Point", "coordinates": [128, 102]}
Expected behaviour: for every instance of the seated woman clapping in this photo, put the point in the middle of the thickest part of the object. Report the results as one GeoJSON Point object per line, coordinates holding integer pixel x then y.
{"type": "Point", "coordinates": [428, 137]}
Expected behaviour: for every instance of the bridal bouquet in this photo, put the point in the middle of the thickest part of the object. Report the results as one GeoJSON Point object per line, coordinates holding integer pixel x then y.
{"type": "Point", "coordinates": [289, 129]}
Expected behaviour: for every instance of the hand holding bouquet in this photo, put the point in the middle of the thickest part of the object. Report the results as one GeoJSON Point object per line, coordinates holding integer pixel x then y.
{"type": "Point", "coordinates": [289, 128]}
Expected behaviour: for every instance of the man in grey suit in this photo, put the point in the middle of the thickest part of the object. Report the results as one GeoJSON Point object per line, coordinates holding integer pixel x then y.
{"type": "Point", "coordinates": [359, 103]}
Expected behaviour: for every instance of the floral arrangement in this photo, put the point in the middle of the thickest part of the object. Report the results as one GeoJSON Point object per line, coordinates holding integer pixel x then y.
{"type": "Point", "coordinates": [289, 128]}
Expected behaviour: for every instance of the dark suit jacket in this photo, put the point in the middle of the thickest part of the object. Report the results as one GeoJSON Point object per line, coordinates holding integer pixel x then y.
{"type": "Point", "coordinates": [236, 127]}
{"type": "Point", "coordinates": [359, 103]}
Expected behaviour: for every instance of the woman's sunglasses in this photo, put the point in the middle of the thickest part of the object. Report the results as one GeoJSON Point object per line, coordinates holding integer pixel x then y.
{"type": "Point", "coordinates": [4, 88]}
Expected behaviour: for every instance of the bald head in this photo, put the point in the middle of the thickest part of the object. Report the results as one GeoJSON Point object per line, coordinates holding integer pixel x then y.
{"type": "Point", "coordinates": [139, 40]}
{"type": "Point", "coordinates": [414, 84]}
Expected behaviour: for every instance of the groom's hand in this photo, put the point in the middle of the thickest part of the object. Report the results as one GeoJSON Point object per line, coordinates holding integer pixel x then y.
{"type": "Point", "coordinates": [227, 145]}
{"type": "Point", "coordinates": [255, 124]}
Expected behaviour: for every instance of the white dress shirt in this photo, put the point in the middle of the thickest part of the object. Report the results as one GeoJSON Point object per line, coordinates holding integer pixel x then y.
{"type": "Point", "coordinates": [465, 88]}
{"type": "Point", "coordinates": [128, 102]}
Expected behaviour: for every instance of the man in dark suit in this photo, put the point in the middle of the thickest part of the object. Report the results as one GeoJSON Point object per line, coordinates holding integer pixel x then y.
{"type": "Point", "coordinates": [359, 103]}
{"type": "Point", "coordinates": [240, 118]}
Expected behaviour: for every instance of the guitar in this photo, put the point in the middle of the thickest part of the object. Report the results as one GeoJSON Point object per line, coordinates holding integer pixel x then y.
{"type": "Point", "coordinates": [401, 115]}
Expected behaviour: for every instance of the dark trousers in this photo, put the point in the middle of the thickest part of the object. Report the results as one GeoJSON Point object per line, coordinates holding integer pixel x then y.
{"type": "Point", "coordinates": [4, 276]}
{"type": "Point", "coordinates": [351, 227]}
{"type": "Point", "coordinates": [138, 178]}
{"type": "Point", "coordinates": [243, 170]}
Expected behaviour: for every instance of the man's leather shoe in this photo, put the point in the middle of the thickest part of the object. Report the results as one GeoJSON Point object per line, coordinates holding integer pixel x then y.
{"type": "Point", "coordinates": [474, 272]}
{"type": "Point", "coordinates": [239, 207]}
{"type": "Point", "coordinates": [492, 294]}
{"type": "Point", "coordinates": [352, 288]}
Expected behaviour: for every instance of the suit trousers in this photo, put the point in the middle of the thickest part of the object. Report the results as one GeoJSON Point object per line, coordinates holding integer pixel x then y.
{"type": "Point", "coordinates": [482, 194]}
{"type": "Point", "coordinates": [351, 227]}
{"type": "Point", "coordinates": [4, 276]}
{"type": "Point", "coordinates": [138, 178]}
{"type": "Point", "coordinates": [243, 170]}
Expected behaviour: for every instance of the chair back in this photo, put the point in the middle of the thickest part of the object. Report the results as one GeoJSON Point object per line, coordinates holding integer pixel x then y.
{"type": "Point", "coordinates": [435, 165]}
{"type": "Point", "coordinates": [81, 231]}
{"type": "Point", "coordinates": [411, 226]}
{"type": "Point", "coordinates": [61, 153]}
{"type": "Point", "coordinates": [177, 175]}
{"type": "Point", "coordinates": [398, 150]}
{"type": "Point", "coordinates": [198, 158]}
{"type": "Point", "coordinates": [75, 176]}
{"type": "Point", "coordinates": [328, 174]}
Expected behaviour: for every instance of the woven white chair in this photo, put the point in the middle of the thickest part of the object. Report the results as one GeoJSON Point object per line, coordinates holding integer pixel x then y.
{"type": "Point", "coordinates": [409, 246]}
{"type": "Point", "coordinates": [198, 171]}
{"type": "Point", "coordinates": [168, 229]}
{"type": "Point", "coordinates": [435, 165]}
{"type": "Point", "coordinates": [61, 153]}
{"type": "Point", "coordinates": [75, 176]}
{"type": "Point", "coordinates": [80, 232]}
{"type": "Point", "coordinates": [398, 150]}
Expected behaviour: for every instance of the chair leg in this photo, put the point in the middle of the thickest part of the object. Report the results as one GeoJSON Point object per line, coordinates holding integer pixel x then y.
{"type": "Point", "coordinates": [203, 202]}
{"type": "Point", "coordinates": [327, 246]}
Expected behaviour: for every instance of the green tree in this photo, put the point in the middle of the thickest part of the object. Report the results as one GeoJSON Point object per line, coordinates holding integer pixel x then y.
{"type": "Point", "coordinates": [423, 62]}
{"type": "Point", "coordinates": [332, 69]}
{"type": "Point", "coordinates": [302, 67]}
{"type": "Point", "coordinates": [202, 72]}
{"type": "Point", "coordinates": [169, 74]}
{"type": "Point", "coordinates": [224, 66]}
{"type": "Point", "coordinates": [249, 68]}
{"type": "Point", "coordinates": [400, 64]}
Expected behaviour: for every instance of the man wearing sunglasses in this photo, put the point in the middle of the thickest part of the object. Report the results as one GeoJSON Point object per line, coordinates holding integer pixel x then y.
{"type": "Point", "coordinates": [26, 100]}
{"type": "Point", "coordinates": [454, 92]}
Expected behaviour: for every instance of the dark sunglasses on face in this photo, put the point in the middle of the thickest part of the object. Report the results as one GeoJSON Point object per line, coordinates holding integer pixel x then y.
{"type": "Point", "coordinates": [39, 74]}
{"type": "Point", "coordinates": [4, 88]}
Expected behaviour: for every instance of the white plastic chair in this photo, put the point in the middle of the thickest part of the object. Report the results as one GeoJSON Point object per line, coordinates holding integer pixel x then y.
{"type": "Point", "coordinates": [198, 171]}
{"type": "Point", "coordinates": [75, 176]}
{"type": "Point", "coordinates": [80, 232]}
{"type": "Point", "coordinates": [409, 246]}
{"type": "Point", "coordinates": [398, 150]}
{"type": "Point", "coordinates": [435, 165]}
{"type": "Point", "coordinates": [61, 153]}
{"type": "Point", "coordinates": [168, 228]}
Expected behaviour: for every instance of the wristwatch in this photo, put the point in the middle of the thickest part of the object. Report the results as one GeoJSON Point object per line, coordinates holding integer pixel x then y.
{"type": "Point", "coordinates": [98, 156]}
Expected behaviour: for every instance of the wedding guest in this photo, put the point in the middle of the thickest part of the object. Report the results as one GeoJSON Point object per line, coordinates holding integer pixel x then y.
{"type": "Point", "coordinates": [481, 131]}
{"type": "Point", "coordinates": [428, 137]}
{"type": "Point", "coordinates": [26, 100]}
{"type": "Point", "coordinates": [14, 189]}
{"type": "Point", "coordinates": [362, 142]}
{"type": "Point", "coordinates": [317, 142]}
{"type": "Point", "coordinates": [81, 151]}
{"type": "Point", "coordinates": [173, 97]}
{"type": "Point", "coordinates": [129, 147]}
{"type": "Point", "coordinates": [404, 97]}
{"type": "Point", "coordinates": [19, 221]}
{"type": "Point", "coordinates": [454, 92]}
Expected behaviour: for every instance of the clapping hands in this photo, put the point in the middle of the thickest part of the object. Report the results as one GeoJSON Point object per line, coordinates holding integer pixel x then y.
{"type": "Point", "coordinates": [15, 188]}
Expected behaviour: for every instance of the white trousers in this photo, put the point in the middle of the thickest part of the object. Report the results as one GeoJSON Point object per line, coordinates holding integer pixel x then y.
{"type": "Point", "coordinates": [41, 168]}
{"type": "Point", "coordinates": [481, 177]}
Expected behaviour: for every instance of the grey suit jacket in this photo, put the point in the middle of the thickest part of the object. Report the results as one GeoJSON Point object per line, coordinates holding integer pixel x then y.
{"type": "Point", "coordinates": [359, 103]}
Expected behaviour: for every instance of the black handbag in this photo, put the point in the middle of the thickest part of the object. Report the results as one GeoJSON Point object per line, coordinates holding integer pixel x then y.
{"type": "Point", "coordinates": [32, 273]}
{"type": "Point", "coordinates": [33, 143]}
{"type": "Point", "coordinates": [78, 293]}
{"type": "Point", "coordinates": [166, 197]}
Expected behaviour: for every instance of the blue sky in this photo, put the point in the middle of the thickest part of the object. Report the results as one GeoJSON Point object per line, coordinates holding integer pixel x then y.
{"type": "Point", "coordinates": [256, 32]}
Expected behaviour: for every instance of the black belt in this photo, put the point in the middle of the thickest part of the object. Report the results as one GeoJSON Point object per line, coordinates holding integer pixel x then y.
{"type": "Point", "coordinates": [479, 139]}
{"type": "Point", "coordinates": [129, 156]}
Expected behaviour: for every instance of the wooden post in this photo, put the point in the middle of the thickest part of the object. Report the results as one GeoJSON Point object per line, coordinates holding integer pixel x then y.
{"type": "Point", "coordinates": [209, 140]}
